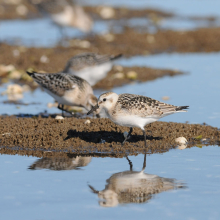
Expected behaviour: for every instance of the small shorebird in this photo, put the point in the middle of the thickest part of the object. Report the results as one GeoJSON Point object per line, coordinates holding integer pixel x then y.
{"type": "Point", "coordinates": [90, 66]}
{"type": "Point", "coordinates": [134, 110]}
{"type": "Point", "coordinates": [66, 89]}
{"type": "Point", "coordinates": [134, 187]}
{"type": "Point", "coordinates": [65, 13]}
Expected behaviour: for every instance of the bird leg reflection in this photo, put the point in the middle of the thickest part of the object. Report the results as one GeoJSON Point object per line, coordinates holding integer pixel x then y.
{"type": "Point", "coordinates": [130, 163]}
{"type": "Point", "coordinates": [144, 164]}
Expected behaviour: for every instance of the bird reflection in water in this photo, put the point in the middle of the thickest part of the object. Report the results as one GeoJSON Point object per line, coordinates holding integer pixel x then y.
{"type": "Point", "coordinates": [61, 163]}
{"type": "Point", "coordinates": [134, 187]}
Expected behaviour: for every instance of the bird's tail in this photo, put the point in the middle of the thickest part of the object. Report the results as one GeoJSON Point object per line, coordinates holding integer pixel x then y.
{"type": "Point", "coordinates": [181, 108]}
{"type": "Point", "coordinates": [116, 56]}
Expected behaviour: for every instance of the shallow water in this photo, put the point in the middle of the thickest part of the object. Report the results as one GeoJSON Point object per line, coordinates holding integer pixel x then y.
{"type": "Point", "coordinates": [199, 87]}
{"type": "Point", "coordinates": [49, 194]}
{"type": "Point", "coordinates": [57, 194]}
{"type": "Point", "coordinates": [192, 8]}
{"type": "Point", "coordinates": [44, 33]}
{"type": "Point", "coordinates": [47, 34]}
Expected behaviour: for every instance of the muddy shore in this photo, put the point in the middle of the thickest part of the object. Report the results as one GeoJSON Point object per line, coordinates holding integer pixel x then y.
{"type": "Point", "coordinates": [72, 135]}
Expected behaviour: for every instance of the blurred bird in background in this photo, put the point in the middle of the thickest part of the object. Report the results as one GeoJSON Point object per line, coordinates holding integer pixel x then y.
{"type": "Point", "coordinates": [64, 13]}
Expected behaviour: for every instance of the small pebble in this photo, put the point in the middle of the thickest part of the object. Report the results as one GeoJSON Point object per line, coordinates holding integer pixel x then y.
{"type": "Point", "coordinates": [50, 105]}
{"type": "Point", "coordinates": [119, 76]}
{"type": "Point", "coordinates": [14, 88]}
{"type": "Point", "coordinates": [59, 117]}
{"type": "Point", "coordinates": [44, 59]}
{"type": "Point", "coordinates": [107, 12]}
{"type": "Point", "coordinates": [118, 68]}
{"type": "Point", "coordinates": [22, 10]}
{"type": "Point", "coordinates": [131, 75]}
{"type": "Point", "coordinates": [84, 44]}
{"type": "Point", "coordinates": [26, 88]}
{"type": "Point", "coordinates": [108, 37]}
{"type": "Point", "coordinates": [165, 97]}
{"type": "Point", "coordinates": [150, 39]}
{"type": "Point", "coordinates": [16, 53]}
{"type": "Point", "coordinates": [181, 140]}
{"type": "Point", "coordinates": [15, 74]}
{"type": "Point", "coordinates": [6, 69]}
{"type": "Point", "coordinates": [87, 122]}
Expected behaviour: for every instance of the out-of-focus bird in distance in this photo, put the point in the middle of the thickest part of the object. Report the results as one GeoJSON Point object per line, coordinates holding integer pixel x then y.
{"type": "Point", "coordinates": [65, 13]}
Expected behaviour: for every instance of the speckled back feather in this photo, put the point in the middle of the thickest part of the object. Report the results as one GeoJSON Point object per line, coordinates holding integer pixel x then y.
{"type": "Point", "coordinates": [58, 83]}
{"type": "Point", "coordinates": [143, 106]}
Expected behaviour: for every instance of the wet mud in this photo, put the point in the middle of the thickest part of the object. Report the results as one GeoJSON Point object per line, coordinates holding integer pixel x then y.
{"type": "Point", "coordinates": [199, 40]}
{"type": "Point", "coordinates": [72, 135]}
{"type": "Point", "coordinates": [57, 58]}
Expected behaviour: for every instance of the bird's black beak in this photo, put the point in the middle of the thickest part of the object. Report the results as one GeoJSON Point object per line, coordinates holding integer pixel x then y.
{"type": "Point", "coordinates": [94, 108]}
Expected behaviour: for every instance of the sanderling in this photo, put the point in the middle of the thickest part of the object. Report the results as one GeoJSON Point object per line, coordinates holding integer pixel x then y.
{"type": "Point", "coordinates": [66, 89]}
{"type": "Point", "coordinates": [134, 110]}
{"type": "Point", "coordinates": [64, 13]}
{"type": "Point", "coordinates": [90, 66]}
{"type": "Point", "coordinates": [134, 187]}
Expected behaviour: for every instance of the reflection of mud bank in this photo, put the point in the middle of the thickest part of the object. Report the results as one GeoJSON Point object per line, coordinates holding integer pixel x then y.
{"type": "Point", "coordinates": [101, 135]}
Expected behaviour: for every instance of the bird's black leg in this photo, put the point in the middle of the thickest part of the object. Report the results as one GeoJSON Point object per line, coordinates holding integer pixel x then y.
{"type": "Point", "coordinates": [144, 164]}
{"type": "Point", "coordinates": [144, 133]}
{"type": "Point", "coordinates": [130, 163]}
{"type": "Point", "coordinates": [129, 134]}
{"type": "Point", "coordinates": [61, 107]}
{"type": "Point", "coordinates": [62, 110]}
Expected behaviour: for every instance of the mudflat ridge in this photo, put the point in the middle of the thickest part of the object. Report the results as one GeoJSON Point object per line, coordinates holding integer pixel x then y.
{"type": "Point", "coordinates": [72, 135]}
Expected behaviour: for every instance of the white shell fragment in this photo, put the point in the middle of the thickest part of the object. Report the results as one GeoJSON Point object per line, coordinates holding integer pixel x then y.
{"type": "Point", "coordinates": [107, 12]}
{"type": "Point", "coordinates": [181, 140]}
{"type": "Point", "coordinates": [131, 75]}
{"type": "Point", "coordinates": [87, 122]}
{"type": "Point", "coordinates": [59, 117]}
{"type": "Point", "coordinates": [44, 59]}
{"type": "Point", "coordinates": [14, 89]}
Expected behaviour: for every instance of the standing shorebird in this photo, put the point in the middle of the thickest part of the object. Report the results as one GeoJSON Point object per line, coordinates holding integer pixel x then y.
{"type": "Point", "coordinates": [90, 66]}
{"type": "Point", "coordinates": [134, 110]}
{"type": "Point", "coordinates": [65, 13]}
{"type": "Point", "coordinates": [134, 187]}
{"type": "Point", "coordinates": [66, 89]}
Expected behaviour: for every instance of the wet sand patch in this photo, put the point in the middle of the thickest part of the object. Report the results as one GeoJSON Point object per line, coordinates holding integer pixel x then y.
{"type": "Point", "coordinates": [131, 42]}
{"type": "Point", "coordinates": [57, 58]}
{"type": "Point", "coordinates": [72, 135]}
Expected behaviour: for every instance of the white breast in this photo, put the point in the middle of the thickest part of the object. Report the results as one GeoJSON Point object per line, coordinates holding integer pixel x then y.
{"type": "Point", "coordinates": [93, 74]}
{"type": "Point", "coordinates": [133, 120]}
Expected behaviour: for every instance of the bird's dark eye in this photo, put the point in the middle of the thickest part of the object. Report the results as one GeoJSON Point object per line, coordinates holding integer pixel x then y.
{"type": "Point", "coordinates": [104, 99]}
